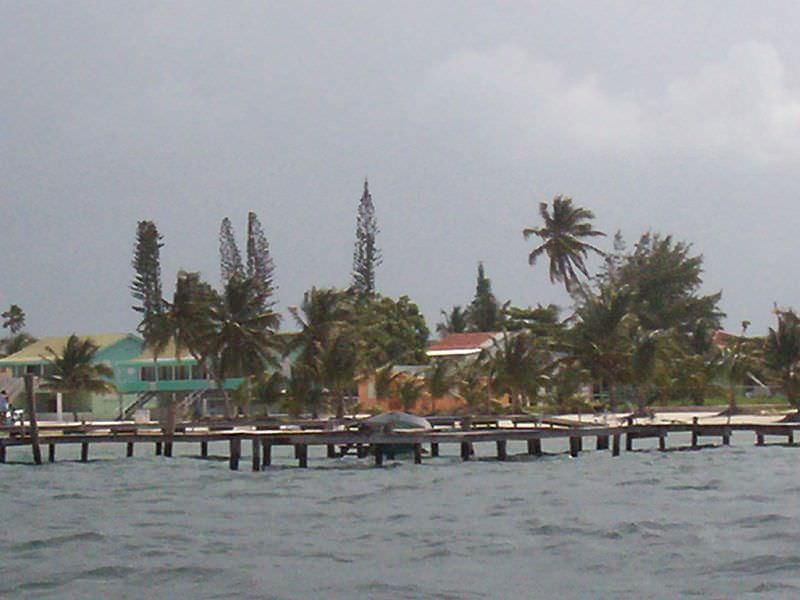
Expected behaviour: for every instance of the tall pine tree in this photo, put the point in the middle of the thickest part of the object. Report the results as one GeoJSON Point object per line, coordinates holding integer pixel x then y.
{"type": "Point", "coordinates": [260, 266]}
{"type": "Point", "coordinates": [146, 286]}
{"type": "Point", "coordinates": [366, 256]}
{"type": "Point", "coordinates": [230, 259]}
{"type": "Point", "coordinates": [484, 312]}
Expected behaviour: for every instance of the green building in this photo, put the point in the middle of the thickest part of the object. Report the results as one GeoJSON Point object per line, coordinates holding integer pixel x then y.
{"type": "Point", "coordinates": [113, 349]}
{"type": "Point", "coordinates": [170, 376]}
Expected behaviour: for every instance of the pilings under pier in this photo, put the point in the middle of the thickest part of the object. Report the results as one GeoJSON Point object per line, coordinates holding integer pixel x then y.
{"type": "Point", "coordinates": [383, 445]}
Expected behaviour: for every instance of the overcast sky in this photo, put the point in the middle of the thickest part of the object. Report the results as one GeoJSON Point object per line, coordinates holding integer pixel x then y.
{"type": "Point", "coordinates": [679, 117]}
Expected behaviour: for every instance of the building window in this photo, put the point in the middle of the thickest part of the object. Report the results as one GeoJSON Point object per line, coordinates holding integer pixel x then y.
{"type": "Point", "coordinates": [181, 372]}
{"type": "Point", "coordinates": [165, 374]}
{"type": "Point", "coordinates": [147, 374]}
{"type": "Point", "coordinates": [198, 372]}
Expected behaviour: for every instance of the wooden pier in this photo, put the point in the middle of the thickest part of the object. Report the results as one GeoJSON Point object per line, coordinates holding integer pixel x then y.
{"type": "Point", "coordinates": [262, 437]}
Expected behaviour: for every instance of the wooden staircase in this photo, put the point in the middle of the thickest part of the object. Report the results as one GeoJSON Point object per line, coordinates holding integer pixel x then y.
{"type": "Point", "coordinates": [140, 401]}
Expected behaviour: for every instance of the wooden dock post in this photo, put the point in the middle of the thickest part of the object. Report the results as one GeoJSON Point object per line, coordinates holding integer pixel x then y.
{"type": "Point", "coordinates": [417, 454]}
{"type": "Point", "coordinates": [2, 451]}
{"type": "Point", "coordinates": [501, 450]}
{"type": "Point", "coordinates": [434, 449]}
{"type": "Point", "coordinates": [266, 454]}
{"type": "Point", "coordinates": [302, 455]}
{"type": "Point", "coordinates": [168, 449]}
{"type": "Point", "coordinates": [790, 437]}
{"type": "Point", "coordinates": [158, 448]}
{"type": "Point", "coordinates": [362, 450]}
{"type": "Point", "coordinates": [235, 449]}
{"type": "Point", "coordinates": [615, 445]}
{"type": "Point", "coordinates": [129, 450]}
{"type": "Point", "coordinates": [203, 449]}
{"type": "Point", "coordinates": [759, 438]}
{"type": "Point", "coordinates": [256, 454]}
{"type": "Point", "coordinates": [662, 441]}
{"type": "Point", "coordinates": [378, 455]}
{"type": "Point", "coordinates": [51, 453]}
{"type": "Point", "coordinates": [466, 450]}
{"type": "Point", "coordinates": [574, 446]}
{"type": "Point", "coordinates": [629, 441]}
{"type": "Point", "coordinates": [84, 451]}
{"type": "Point", "coordinates": [331, 451]}
{"type": "Point", "coordinates": [31, 400]}
{"type": "Point", "coordinates": [726, 436]}
{"type": "Point", "coordinates": [694, 433]}
{"type": "Point", "coordinates": [535, 447]}
{"type": "Point", "coordinates": [602, 442]}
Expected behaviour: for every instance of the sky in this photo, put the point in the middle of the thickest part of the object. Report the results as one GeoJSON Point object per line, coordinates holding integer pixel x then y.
{"type": "Point", "coordinates": [681, 118]}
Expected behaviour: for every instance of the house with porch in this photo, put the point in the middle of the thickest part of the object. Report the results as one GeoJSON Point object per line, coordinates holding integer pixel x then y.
{"type": "Point", "coordinates": [113, 349]}
{"type": "Point", "coordinates": [152, 381]}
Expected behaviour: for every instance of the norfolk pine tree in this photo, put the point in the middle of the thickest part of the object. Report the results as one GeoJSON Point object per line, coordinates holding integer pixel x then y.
{"type": "Point", "coordinates": [366, 256]}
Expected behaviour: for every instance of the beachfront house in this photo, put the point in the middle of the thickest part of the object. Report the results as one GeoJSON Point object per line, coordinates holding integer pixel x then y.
{"type": "Point", "coordinates": [152, 381]}
{"type": "Point", "coordinates": [113, 348]}
{"type": "Point", "coordinates": [459, 348]}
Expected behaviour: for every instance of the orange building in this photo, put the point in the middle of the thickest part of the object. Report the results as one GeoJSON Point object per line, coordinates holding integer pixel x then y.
{"type": "Point", "coordinates": [458, 347]}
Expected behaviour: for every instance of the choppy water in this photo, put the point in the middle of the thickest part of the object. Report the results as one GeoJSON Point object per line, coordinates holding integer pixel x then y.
{"type": "Point", "coordinates": [717, 523]}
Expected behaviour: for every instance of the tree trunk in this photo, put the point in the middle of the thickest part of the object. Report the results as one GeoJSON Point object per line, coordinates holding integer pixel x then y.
{"type": "Point", "coordinates": [641, 402]}
{"type": "Point", "coordinates": [220, 381]}
{"type": "Point", "coordinates": [489, 396]}
{"type": "Point", "coordinates": [339, 402]}
{"type": "Point", "coordinates": [732, 408]}
{"type": "Point", "coordinates": [516, 406]}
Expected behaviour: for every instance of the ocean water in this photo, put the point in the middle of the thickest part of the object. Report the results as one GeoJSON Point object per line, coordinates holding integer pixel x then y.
{"type": "Point", "coordinates": [715, 523]}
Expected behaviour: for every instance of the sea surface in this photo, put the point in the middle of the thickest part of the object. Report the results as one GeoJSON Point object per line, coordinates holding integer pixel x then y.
{"type": "Point", "coordinates": [714, 523]}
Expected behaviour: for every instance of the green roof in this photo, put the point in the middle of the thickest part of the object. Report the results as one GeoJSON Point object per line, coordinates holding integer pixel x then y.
{"type": "Point", "coordinates": [38, 350]}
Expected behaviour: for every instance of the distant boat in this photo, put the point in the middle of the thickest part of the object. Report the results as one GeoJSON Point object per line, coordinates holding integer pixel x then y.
{"type": "Point", "coordinates": [394, 421]}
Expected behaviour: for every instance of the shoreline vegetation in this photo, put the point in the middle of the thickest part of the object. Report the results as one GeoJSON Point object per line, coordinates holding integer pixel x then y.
{"type": "Point", "coordinates": [635, 334]}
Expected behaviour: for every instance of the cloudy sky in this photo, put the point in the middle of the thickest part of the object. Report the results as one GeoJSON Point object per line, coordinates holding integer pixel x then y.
{"type": "Point", "coordinates": [679, 117]}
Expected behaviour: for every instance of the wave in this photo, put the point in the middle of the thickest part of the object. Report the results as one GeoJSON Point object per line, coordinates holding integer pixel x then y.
{"type": "Point", "coordinates": [57, 541]}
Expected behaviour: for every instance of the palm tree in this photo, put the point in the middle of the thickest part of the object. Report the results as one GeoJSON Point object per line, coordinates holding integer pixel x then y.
{"type": "Point", "coordinates": [439, 380]}
{"type": "Point", "coordinates": [337, 362]}
{"type": "Point", "coordinates": [14, 319]}
{"type": "Point", "coordinates": [302, 394]}
{"type": "Point", "coordinates": [385, 379]}
{"type": "Point", "coordinates": [241, 341]}
{"type": "Point", "coordinates": [471, 385]}
{"type": "Point", "coordinates": [643, 359]}
{"type": "Point", "coordinates": [562, 240]}
{"type": "Point", "coordinates": [409, 391]}
{"type": "Point", "coordinates": [322, 312]}
{"type": "Point", "coordinates": [782, 355]}
{"type": "Point", "coordinates": [738, 359]}
{"type": "Point", "coordinates": [75, 372]}
{"type": "Point", "coordinates": [15, 343]}
{"type": "Point", "coordinates": [599, 339]}
{"type": "Point", "coordinates": [456, 321]}
{"type": "Point", "coordinates": [517, 367]}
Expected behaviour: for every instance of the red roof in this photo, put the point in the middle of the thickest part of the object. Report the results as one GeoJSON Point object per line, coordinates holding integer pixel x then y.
{"type": "Point", "coordinates": [721, 339]}
{"type": "Point", "coordinates": [462, 341]}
